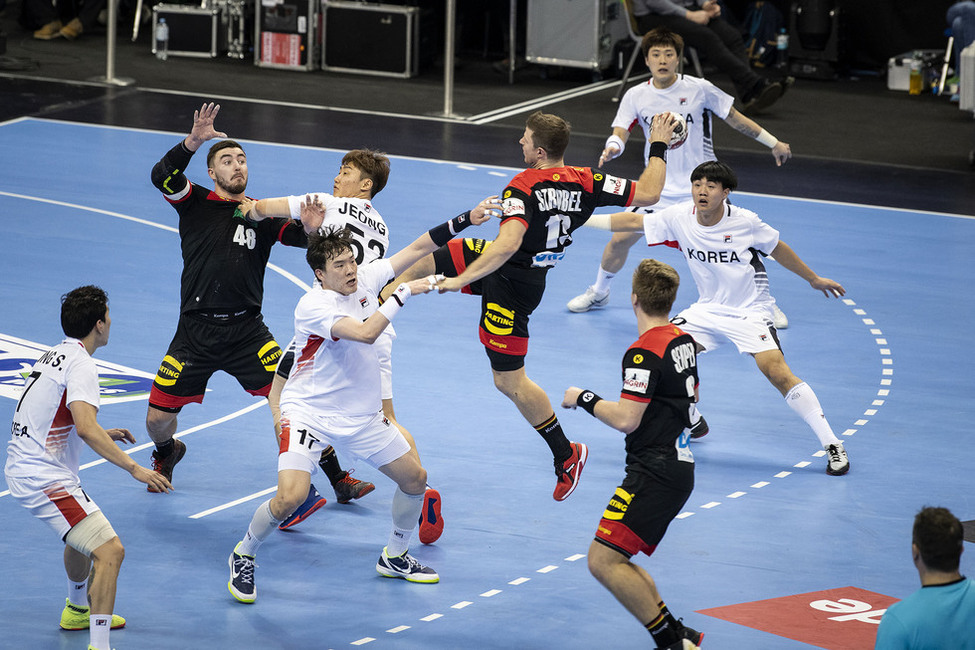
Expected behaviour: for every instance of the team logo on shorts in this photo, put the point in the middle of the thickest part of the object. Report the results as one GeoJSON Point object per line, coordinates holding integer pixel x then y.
{"type": "Point", "coordinates": [270, 354]}
{"type": "Point", "coordinates": [116, 383]}
{"type": "Point", "coordinates": [498, 320]}
{"type": "Point", "coordinates": [618, 505]}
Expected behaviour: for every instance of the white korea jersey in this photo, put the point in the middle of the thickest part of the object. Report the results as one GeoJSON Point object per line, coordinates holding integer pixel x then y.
{"type": "Point", "coordinates": [369, 231]}
{"type": "Point", "coordinates": [44, 442]}
{"type": "Point", "coordinates": [693, 98]}
{"type": "Point", "coordinates": [725, 259]}
{"type": "Point", "coordinates": [336, 376]}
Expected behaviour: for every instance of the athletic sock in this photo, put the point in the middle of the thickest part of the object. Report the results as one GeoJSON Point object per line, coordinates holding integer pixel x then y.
{"type": "Point", "coordinates": [99, 626]}
{"type": "Point", "coordinates": [551, 431]}
{"type": "Point", "coordinates": [329, 462]}
{"type": "Point", "coordinates": [165, 448]}
{"type": "Point", "coordinates": [406, 513]}
{"type": "Point", "coordinates": [804, 402]}
{"type": "Point", "coordinates": [674, 623]}
{"type": "Point", "coordinates": [78, 593]}
{"type": "Point", "coordinates": [662, 631]}
{"type": "Point", "coordinates": [604, 281]}
{"type": "Point", "coordinates": [262, 523]}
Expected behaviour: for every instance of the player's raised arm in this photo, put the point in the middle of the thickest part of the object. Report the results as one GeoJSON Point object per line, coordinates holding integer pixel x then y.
{"type": "Point", "coordinates": [203, 128]}
{"type": "Point", "coordinates": [651, 181]}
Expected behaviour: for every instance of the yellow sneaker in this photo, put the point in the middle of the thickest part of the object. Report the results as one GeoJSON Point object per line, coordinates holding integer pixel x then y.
{"type": "Point", "coordinates": [76, 618]}
{"type": "Point", "coordinates": [49, 31]}
{"type": "Point", "coordinates": [72, 30]}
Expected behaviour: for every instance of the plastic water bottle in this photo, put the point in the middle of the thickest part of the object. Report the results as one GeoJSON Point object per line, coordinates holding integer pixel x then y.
{"type": "Point", "coordinates": [162, 40]}
{"type": "Point", "coordinates": [916, 82]}
{"type": "Point", "coordinates": [782, 49]}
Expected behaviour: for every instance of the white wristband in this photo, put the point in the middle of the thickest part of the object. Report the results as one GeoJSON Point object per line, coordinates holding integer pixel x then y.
{"type": "Point", "coordinates": [766, 138]}
{"type": "Point", "coordinates": [600, 221]}
{"type": "Point", "coordinates": [615, 140]}
{"type": "Point", "coordinates": [395, 302]}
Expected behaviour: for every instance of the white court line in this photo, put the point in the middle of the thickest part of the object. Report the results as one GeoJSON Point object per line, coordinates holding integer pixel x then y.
{"type": "Point", "coordinates": [236, 502]}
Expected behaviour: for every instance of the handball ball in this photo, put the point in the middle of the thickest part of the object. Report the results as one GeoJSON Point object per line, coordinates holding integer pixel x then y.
{"type": "Point", "coordinates": [680, 132]}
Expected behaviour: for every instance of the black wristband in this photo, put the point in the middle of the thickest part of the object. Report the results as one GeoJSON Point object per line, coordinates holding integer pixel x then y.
{"type": "Point", "coordinates": [445, 232]}
{"type": "Point", "coordinates": [658, 150]}
{"type": "Point", "coordinates": [587, 400]}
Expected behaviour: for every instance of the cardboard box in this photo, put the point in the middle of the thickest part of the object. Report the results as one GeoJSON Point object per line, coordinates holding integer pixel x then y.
{"type": "Point", "coordinates": [193, 31]}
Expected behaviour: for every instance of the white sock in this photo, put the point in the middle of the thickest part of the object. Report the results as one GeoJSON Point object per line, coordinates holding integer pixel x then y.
{"type": "Point", "coordinates": [262, 524]}
{"type": "Point", "coordinates": [695, 414]}
{"type": "Point", "coordinates": [78, 593]}
{"type": "Point", "coordinates": [99, 627]}
{"type": "Point", "coordinates": [604, 281]}
{"type": "Point", "coordinates": [406, 515]}
{"type": "Point", "coordinates": [804, 402]}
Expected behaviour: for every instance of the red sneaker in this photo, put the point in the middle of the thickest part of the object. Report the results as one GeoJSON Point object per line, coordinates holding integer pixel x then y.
{"type": "Point", "coordinates": [431, 523]}
{"type": "Point", "coordinates": [567, 472]}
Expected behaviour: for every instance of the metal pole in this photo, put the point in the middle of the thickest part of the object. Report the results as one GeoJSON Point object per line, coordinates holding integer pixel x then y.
{"type": "Point", "coordinates": [448, 61]}
{"type": "Point", "coordinates": [512, 48]}
{"type": "Point", "coordinates": [109, 77]}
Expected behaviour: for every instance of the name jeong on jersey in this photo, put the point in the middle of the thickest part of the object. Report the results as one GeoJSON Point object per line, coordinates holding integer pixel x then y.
{"type": "Point", "coordinates": [550, 198]}
{"type": "Point", "coordinates": [714, 257]}
{"type": "Point", "coordinates": [362, 217]}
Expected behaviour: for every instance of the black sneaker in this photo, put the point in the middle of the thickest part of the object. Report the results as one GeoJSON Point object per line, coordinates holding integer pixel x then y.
{"type": "Point", "coordinates": [761, 97]}
{"type": "Point", "coordinates": [405, 566]}
{"type": "Point", "coordinates": [348, 488]}
{"type": "Point", "coordinates": [165, 465]}
{"type": "Point", "coordinates": [700, 429]}
{"type": "Point", "coordinates": [692, 635]}
{"type": "Point", "coordinates": [241, 583]}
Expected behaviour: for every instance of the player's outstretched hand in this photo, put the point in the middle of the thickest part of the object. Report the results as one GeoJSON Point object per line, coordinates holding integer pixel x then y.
{"type": "Point", "coordinates": [447, 285]}
{"type": "Point", "coordinates": [203, 129]}
{"type": "Point", "coordinates": [248, 208]}
{"type": "Point", "coordinates": [781, 152]}
{"type": "Point", "coordinates": [424, 285]}
{"type": "Point", "coordinates": [571, 395]}
{"type": "Point", "coordinates": [486, 209]}
{"type": "Point", "coordinates": [312, 213]}
{"type": "Point", "coordinates": [155, 480]}
{"type": "Point", "coordinates": [609, 153]}
{"type": "Point", "coordinates": [662, 127]}
{"type": "Point", "coordinates": [120, 435]}
{"type": "Point", "coordinates": [830, 288]}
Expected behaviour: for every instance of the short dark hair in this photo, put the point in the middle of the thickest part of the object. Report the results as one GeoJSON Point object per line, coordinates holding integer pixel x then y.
{"type": "Point", "coordinates": [327, 245]}
{"type": "Point", "coordinates": [655, 286]}
{"type": "Point", "coordinates": [939, 537]}
{"type": "Point", "coordinates": [550, 132]}
{"type": "Point", "coordinates": [223, 144]}
{"type": "Point", "coordinates": [661, 37]}
{"type": "Point", "coordinates": [81, 309]}
{"type": "Point", "coordinates": [372, 164]}
{"type": "Point", "coordinates": [717, 172]}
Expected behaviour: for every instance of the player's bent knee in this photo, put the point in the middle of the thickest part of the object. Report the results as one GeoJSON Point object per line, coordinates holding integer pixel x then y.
{"type": "Point", "coordinates": [91, 534]}
{"type": "Point", "coordinates": [110, 553]}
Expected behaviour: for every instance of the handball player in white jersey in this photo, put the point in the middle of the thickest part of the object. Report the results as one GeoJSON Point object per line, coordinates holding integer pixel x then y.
{"type": "Point", "coordinates": [363, 173]}
{"type": "Point", "coordinates": [696, 100]}
{"type": "Point", "coordinates": [55, 414]}
{"type": "Point", "coordinates": [333, 394]}
{"type": "Point", "coordinates": [724, 245]}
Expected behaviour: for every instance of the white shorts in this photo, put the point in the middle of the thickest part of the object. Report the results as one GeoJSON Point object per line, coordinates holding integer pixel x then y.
{"type": "Point", "coordinates": [384, 350]}
{"type": "Point", "coordinates": [712, 326]}
{"type": "Point", "coordinates": [61, 504]}
{"type": "Point", "coordinates": [371, 437]}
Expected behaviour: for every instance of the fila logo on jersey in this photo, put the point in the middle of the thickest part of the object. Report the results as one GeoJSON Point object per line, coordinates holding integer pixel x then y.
{"type": "Point", "coordinates": [551, 198]}
{"type": "Point", "coordinates": [727, 239]}
{"type": "Point", "coordinates": [364, 301]}
{"type": "Point", "coordinates": [713, 257]}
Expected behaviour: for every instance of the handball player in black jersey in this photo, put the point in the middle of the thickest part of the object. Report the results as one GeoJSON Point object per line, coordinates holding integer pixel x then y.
{"type": "Point", "coordinates": [541, 208]}
{"type": "Point", "coordinates": [654, 411]}
{"type": "Point", "coordinates": [222, 285]}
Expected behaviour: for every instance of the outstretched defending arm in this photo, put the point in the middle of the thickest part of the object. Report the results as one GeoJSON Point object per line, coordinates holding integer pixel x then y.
{"type": "Point", "coordinates": [787, 257]}
{"type": "Point", "coordinates": [168, 174]}
{"type": "Point", "coordinates": [651, 181]}
{"type": "Point", "coordinates": [781, 151]}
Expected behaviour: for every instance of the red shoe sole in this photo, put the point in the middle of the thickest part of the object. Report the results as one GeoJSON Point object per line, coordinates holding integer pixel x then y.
{"type": "Point", "coordinates": [431, 523]}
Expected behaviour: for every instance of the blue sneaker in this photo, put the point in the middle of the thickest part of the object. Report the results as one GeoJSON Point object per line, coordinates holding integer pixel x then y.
{"type": "Point", "coordinates": [302, 512]}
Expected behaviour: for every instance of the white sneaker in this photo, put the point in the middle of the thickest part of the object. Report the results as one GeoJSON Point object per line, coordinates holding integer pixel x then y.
{"type": "Point", "coordinates": [837, 462]}
{"type": "Point", "coordinates": [779, 319]}
{"type": "Point", "coordinates": [589, 300]}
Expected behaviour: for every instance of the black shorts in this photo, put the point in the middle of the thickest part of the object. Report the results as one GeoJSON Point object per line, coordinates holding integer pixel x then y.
{"type": "Point", "coordinates": [642, 508]}
{"type": "Point", "coordinates": [508, 297]}
{"type": "Point", "coordinates": [243, 348]}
